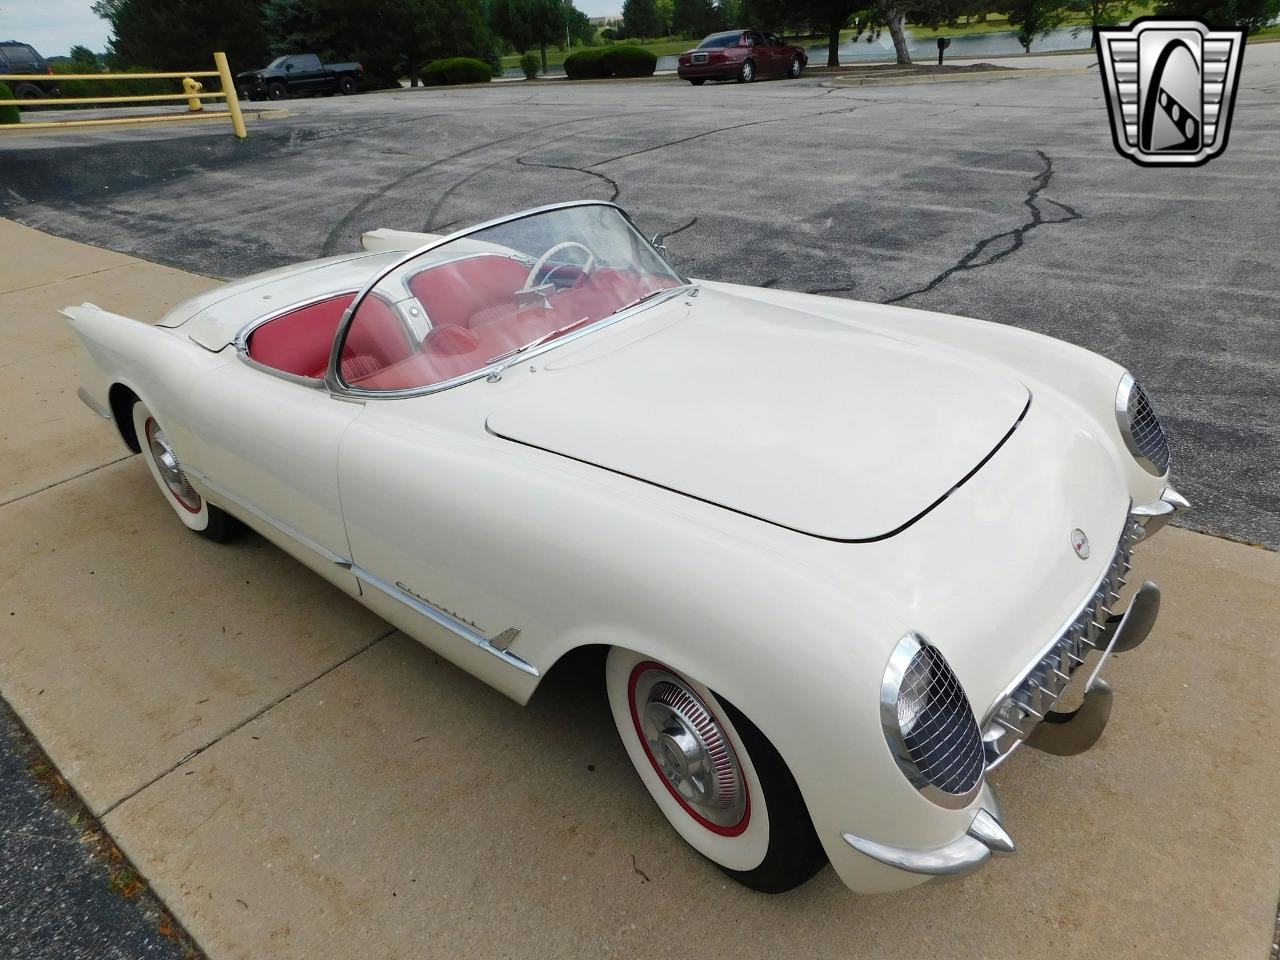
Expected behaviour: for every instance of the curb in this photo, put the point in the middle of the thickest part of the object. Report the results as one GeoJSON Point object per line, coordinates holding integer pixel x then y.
{"type": "Point", "coordinates": [1010, 74]}
{"type": "Point", "coordinates": [145, 121]}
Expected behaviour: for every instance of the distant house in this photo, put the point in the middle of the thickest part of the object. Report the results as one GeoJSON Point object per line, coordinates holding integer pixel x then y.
{"type": "Point", "coordinates": [601, 22]}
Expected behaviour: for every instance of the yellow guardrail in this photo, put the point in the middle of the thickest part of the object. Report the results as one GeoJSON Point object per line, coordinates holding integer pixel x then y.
{"type": "Point", "coordinates": [192, 93]}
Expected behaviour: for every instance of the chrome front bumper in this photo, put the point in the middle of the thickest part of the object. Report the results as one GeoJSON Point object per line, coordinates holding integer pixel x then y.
{"type": "Point", "coordinates": [1025, 713]}
{"type": "Point", "coordinates": [984, 838]}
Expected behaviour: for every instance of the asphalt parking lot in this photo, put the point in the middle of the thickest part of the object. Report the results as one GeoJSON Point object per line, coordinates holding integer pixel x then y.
{"type": "Point", "coordinates": [296, 779]}
{"type": "Point", "coordinates": [996, 199]}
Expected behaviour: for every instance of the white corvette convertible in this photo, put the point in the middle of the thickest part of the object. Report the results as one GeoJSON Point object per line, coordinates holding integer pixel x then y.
{"type": "Point", "coordinates": [845, 558]}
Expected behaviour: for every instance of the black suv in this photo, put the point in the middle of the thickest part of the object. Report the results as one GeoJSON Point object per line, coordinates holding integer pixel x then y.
{"type": "Point", "coordinates": [18, 57]}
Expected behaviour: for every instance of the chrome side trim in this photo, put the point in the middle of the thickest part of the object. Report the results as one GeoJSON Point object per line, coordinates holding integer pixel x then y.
{"type": "Point", "coordinates": [224, 494]}
{"type": "Point", "coordinates": [984, 838]}
{"type": "Point", "coordinates": [450, 623]}
{"type": "Point", "coordinates": [93, 404]}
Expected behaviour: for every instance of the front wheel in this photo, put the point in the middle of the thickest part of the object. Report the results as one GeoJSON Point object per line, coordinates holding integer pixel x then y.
{"type": "Point", "coordinates": [748, 72]}
{"type": "Point", "coordinates": [699, 81]}
{"type": "Point", "coordinates": [192, 509]}
{"type": "Point", "coordinates": [347, 86]}
{"type": "Point", "coordinates": [714, 775]}
{"type": "Point", "coordinates": [796, 67]}
{"type": "Point", "coordinates": [277, 91]}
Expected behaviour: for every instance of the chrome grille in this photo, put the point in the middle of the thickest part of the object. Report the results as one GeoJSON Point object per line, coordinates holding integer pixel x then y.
{"type": "Point", "coordinates": [937, 725]}
{"type": "Point", "coordinates": [1148, 434]}
{"type": "Point", "coordinates": [1018, 713]}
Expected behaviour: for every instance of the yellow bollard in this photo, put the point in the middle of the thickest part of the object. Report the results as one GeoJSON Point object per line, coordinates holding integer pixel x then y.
{"type": "Point", "coordinates": [229, 91]}
{"type": "Point", "coordinates": [193, 86]}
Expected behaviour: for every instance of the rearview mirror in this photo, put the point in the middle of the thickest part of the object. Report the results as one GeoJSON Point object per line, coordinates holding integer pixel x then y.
{"type": "Point", "coordinates": [660, 244]}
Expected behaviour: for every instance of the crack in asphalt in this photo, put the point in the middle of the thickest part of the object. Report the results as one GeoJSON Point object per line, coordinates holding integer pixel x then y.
{"type": "Point", "coordinates": [973, 259]}
{"type": "Point", "coordinates": [453, 187]}
{"type": "Point", "coordinates": [333, 240]}
{"type": "Point", "coordinates": [617, 190]}
{"type": "Point", "coordinates": [734, 126]}
{"type": "Point", "coordinates": [672, 233]}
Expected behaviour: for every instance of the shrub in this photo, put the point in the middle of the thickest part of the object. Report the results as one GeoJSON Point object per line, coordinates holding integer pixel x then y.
{"type": "Point", "coordinates": [453, 70]}
{"type": "Point", "coordinates": [529, 63]}
{"type": "Point", "coordinates": [8, 112]}
{"type": "Point", "coordinates": [630, 61]}
{"type": "Point", "coordinates": [585, 65]}
{"type": "Point", "coordinates": [114, 88]}
{"type": "Point", "coordinates": [608, 33]}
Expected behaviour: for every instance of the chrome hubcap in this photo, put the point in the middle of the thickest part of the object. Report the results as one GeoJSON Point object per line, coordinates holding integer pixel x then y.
{"type": "Point", "coordinates": [170, 469]}
{"type": "Point", "coordinates": [689, 748]}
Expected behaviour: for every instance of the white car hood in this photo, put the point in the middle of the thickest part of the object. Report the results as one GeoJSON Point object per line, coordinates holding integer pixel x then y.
{"type": "Point", "coordinates": [795, 419]}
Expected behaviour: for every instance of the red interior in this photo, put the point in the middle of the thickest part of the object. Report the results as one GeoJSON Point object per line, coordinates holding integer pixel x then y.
{"type": "Point", "coordinates": [299, 341]}
{"type": "Point", "coordinates": [474, 319]}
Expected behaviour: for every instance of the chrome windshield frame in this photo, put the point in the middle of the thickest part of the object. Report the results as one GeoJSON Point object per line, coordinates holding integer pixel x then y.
{"type": "Point", "coordinates": [339, 389]}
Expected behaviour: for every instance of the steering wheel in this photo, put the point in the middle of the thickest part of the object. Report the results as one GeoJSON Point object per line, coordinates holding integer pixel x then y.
{"type": "Point", "coordinates": [531, 280]}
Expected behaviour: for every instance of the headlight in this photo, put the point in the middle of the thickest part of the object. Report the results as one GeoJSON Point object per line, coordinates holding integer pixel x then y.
{"type": "Point", "coordinates": [929, 724]}
{"type": "Point", "coordinates": [1141, 428]}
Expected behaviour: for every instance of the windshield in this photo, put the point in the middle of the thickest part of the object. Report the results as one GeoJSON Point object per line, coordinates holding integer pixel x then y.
{"type": "Point", "coordinates": [276, 63]}
{"type": "Point", "coordinates": [720, 40]}
{"type": "Point", "coordinates": [497, 293]}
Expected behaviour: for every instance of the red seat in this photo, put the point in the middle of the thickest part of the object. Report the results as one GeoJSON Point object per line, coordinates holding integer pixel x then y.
{"type": "Point", "coordinates": [452, 292]}
{"type": "Point", "coordinates": [299, 341]}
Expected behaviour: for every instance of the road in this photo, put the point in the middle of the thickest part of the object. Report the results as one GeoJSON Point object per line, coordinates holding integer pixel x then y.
{"type": "Point", "coordinates": [1003, 200]}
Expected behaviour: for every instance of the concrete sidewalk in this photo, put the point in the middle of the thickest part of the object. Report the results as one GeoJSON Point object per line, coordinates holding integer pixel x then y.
{"type": "Point", "coordinates": [297, 780]}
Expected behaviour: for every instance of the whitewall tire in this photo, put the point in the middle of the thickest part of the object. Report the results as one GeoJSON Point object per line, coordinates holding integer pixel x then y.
{"type": "Point", "coordinates": [166, 469]}
{"type": "Point", "coordinates": [715, 777]}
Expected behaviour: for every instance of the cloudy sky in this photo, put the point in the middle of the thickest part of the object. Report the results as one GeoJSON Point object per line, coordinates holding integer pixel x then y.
{"type": "Point", "coordinates": [52, 26]}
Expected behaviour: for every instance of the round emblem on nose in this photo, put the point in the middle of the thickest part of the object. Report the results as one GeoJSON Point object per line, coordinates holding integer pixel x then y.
{"type": "Point", "coordinates": [1080, 543]}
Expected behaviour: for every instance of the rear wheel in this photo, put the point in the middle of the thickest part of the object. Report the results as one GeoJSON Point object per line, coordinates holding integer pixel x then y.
{"type": "Point", "coordinates": [795, 69]}
{"type": "Point", "coordinates": [192, 509]}
{"type": "Point", "coordinates": [748, 71]}
{"type": "Point", "coordinates": [277, 91]}
{"type": "Point", "coordinates": [699, 81]}
{"type": "Point", "coordinates": [28, 91]}
{"type": "Point", "coordinates": [347, 86]}
{"type": "Point", "coordinates": [714, 775]}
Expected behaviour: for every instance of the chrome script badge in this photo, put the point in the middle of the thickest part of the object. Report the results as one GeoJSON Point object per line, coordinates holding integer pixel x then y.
{"type": "Point", "coordinates": [1170, 86]}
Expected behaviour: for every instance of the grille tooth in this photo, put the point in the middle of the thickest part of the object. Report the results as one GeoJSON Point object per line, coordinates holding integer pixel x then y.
{"type": "Point", "coordinates": [1038, 690]}
{"type": "Point", "coordinates": [1148, 434]}
{"type": "Point", "coordinates": [944, 744]}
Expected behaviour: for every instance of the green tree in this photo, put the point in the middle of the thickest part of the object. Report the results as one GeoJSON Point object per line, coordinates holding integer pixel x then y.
{"type": "Point", "coordinates": [1100, 13]}
{"type": "Point", "coordinates": [1035, 18]}
{"type": "Point", "coordinates": [1247, 15]}
{"type": "Point", "coordinates": [579, 24]}
{"type": "Point", "coordinates": [84, 58]}
{"type": "Point", "coordinates": [640, 19]}
{"type": "Point", "coordinates": [893, 14]}
{"type": "Point", "coordinates": [695, 18]}
{"type": "Point", "coordinates": [530, 23]}
{"type": "Point", "coordinates": [176, 35]}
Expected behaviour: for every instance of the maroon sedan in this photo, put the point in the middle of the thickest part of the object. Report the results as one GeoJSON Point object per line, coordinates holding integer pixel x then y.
{"type": "Point", "coordinates": [741, 55]}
